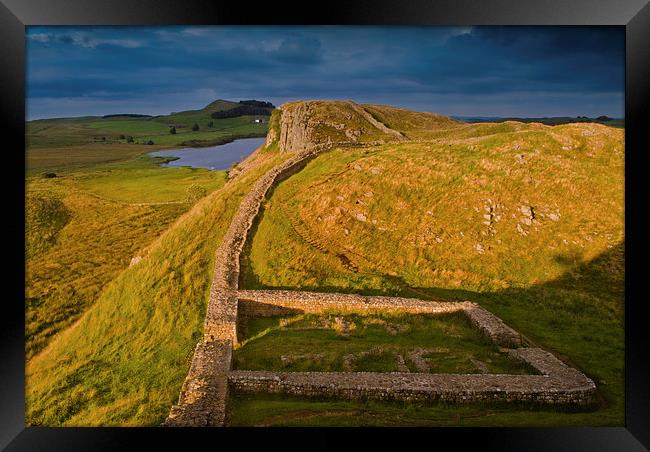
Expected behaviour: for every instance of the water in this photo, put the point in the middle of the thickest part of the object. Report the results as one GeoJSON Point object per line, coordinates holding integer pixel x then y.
{"type": "Point", "coordinates": [220, 157]}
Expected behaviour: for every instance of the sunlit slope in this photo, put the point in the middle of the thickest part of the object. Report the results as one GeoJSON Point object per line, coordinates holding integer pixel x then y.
{"type": "Point", "coordinates": [412, 124]}
{"type": "Point", "coordinates": [124, 361]}
{"type": "Point", "coordinates": [84, 226]}
{"type": "Point", "coordinates": [525, 219]}
{"type": "Point", "coordinates": [478, 211]}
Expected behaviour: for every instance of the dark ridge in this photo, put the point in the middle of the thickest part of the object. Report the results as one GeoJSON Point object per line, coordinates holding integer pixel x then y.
{"type": "Point", "coordinates": [242, 110]}
{"type": "Point", "coordinates": [554, 120]}
{"type": "Point", "coordinates": [257, 103]}
{"type": "Point", "coordinates": [128, 115]}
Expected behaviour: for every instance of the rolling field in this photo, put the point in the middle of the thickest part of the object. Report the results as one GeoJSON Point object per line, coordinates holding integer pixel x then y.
{"type": "Point", "coordinates": [102, 203]}
{"type": "Point", "coordinates": [85, 226]}
{"type": "Point", "coordinates": [67, 143]}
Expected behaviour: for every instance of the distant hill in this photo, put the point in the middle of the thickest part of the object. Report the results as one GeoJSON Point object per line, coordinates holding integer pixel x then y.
{"type": "Point", "coordinates": [549, 121]}
{"type": "Point", "coordinates": [218, 122]}
{"type": "Point", "coordinates": [126, 115]}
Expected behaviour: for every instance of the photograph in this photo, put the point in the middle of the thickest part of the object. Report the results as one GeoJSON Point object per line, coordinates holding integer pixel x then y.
{"type": "Point", "coordinates": [325, 226]}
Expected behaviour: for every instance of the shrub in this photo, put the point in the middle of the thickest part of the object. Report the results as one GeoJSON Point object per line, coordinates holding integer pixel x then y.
{"type": "Point", "coordinates": [195, 127]}
{"type": "Point", "coordinates": [129, 139]}
{"type": "Point", "coordinates": [195, 192]}
{"type": "Point", "coordinates": [122, 137]}
{"type": "Point", "coordinates": [211, 124]}
{"type": "Point", "coordinates": [150, 142]}
{"type": "Point", "coordinates": [172, 130]}
{"type": "Point", "coordinates": [48, 175]}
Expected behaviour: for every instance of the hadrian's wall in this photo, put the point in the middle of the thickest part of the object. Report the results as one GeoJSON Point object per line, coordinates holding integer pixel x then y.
{"type": "Point", "coordinates": [197, 404]}
{"type": "Point", "coordinates": [220, 326]}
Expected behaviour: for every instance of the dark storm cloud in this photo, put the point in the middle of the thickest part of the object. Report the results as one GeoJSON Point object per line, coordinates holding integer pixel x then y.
{"type": "Point", "coordinates": [530, 71]}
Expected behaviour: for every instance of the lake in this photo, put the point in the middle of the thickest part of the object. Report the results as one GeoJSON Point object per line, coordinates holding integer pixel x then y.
{"type": "Point", "coordinates": [220, 157]}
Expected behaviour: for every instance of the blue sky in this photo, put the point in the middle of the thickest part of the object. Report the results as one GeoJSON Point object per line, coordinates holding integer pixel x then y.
{"type": "Point", "coordinates": [463, 71]}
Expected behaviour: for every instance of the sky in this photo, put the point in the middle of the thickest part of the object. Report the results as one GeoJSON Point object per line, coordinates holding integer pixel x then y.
{"type": "Point", "coordinates": [458, 71]}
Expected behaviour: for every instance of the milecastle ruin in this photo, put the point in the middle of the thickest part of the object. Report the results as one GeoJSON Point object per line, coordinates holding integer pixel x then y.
{"type": "Point", "coordinates": [203, 400]}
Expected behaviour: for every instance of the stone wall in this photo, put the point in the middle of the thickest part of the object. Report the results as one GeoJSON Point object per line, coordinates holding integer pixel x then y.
{"type": "Point", "coordinates": [559, 385]}
{"type": "Point", "coordinates": [202, 402]}
{"type": "Point", "coordinates": [220, 327]}
{"type": "Point", "coordinates": [314, 302]}
{"type": "Point", "coordinates": [493, 327]}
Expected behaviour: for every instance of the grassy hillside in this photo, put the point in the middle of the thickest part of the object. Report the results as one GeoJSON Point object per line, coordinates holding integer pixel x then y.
{"type": "Point", "coordinates": [84, 226]}
{"type": "Point", "coordinates": [412, 124]}
{"type": "Point", "coordinates": [525, 219]}
{"type": "Point", "coordinates": [125, 359]}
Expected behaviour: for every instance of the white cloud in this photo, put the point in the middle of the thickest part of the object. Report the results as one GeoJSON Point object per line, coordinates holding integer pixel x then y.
{"type": "Point", "coordinates": [83, 40]}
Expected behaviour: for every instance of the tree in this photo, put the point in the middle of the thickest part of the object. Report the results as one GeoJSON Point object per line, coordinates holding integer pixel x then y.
{"type": "Point", "coordinates": [195, 127]}
{"type": "Point", "coordinates": [173, 130]}
{"type": "Point", "coordinates": [211, 124]}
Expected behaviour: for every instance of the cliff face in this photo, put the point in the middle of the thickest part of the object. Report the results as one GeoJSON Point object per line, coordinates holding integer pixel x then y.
{"type": "Point", "coordinates": [319, 124]}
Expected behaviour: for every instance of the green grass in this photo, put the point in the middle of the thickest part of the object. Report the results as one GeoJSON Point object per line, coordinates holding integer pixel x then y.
{"type": "Point", "coordinates": [72, 139]}
{"type": "Point", "coordinates": [84, 226]}
{"type": "Point", "coordinates": [111, 345]}
{"type": "Point", "coordinates": [560, 284]}
{"type": "Point", "coordinates": [67, 157]}
{"type": "Point", "coordinates": [124, 360]}
{"type": "Point", "coordinates": [291, 411]}
{"type": "Point", "coordinates": [142, 181]}
{"type": "Point", "coordinates": [314, 343]}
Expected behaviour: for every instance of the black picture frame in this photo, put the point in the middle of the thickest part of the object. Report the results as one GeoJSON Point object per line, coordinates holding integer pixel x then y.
{"type": "Point", "coordinates": [633, 14]}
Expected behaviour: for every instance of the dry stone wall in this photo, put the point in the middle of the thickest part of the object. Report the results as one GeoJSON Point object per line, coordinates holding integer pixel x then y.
{"type": "Point", "coordinates": [314, 302]}
{"type": "Point", "coordinates": [202, 402]}
{"type": "Point", "coordinates": [559, 385]}
{"type": "Point", "coordinates": [210, 365]}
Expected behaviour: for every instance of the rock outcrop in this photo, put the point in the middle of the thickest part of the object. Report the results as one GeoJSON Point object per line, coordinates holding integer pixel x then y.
{"type": "Point", "coordinates": [315, 125]}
